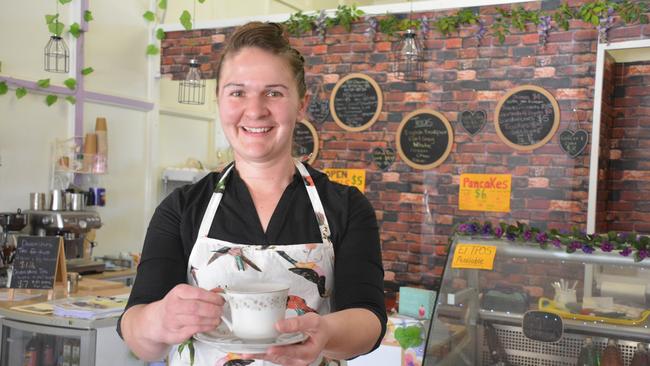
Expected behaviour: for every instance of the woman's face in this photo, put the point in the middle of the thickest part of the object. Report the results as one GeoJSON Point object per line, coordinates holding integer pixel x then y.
{"type": "Point", "coordinates": [259, 104]}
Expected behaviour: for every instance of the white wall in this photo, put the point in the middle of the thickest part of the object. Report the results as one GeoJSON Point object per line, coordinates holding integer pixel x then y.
{"type": "Point", "coordinates": [115, 48]}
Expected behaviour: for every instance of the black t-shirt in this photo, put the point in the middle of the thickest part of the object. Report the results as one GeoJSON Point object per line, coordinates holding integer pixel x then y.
{"type": "Point", "coordinates": [358, 271]}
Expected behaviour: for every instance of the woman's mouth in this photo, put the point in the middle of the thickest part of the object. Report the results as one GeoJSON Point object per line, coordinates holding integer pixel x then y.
{"type": "Point", "coordinates": [256, 129]}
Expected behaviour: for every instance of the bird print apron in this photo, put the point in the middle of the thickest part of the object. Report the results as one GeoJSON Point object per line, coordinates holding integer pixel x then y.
{"type": "Point", "coordinates": [308, 268]}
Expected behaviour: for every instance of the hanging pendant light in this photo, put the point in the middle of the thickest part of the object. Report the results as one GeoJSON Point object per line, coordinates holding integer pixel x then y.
{"type": "Point", "coordinates": [410, 54]}
{"type": "Point", "coordinates": [56, 53]}
{"type": "Point", "coordinates": [57, 56]}
{"type": "Point", "coordinates": [409, 57]}
{"type": "Point", "coordinates": [192, 89]}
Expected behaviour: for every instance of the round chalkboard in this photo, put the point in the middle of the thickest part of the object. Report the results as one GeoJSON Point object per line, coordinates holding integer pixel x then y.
{"type": "Point", "coordinates": [355, 102]}
{"type": "Point", "coordinates": [305, 142]}
{"type": "Point", "coordinates": [424, 139]}
{"type": "Point", "coordinates": [527, 117]}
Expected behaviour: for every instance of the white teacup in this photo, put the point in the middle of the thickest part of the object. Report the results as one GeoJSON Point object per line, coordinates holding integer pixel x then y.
{"type": "Point", "coordinates": [255, 308]}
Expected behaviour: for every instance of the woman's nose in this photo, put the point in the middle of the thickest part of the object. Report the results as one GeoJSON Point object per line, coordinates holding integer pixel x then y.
{"type": "Point", "coordinates": [256, 108]}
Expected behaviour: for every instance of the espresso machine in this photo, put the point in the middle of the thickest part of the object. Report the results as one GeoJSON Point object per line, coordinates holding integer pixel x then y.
{"type": "Point", "coordinates": [11, 225]}
{"type": "Point", "coordinates": [74, 227]}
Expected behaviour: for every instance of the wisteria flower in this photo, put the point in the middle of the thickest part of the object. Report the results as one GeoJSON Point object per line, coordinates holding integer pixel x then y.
{"type": "Point", "coordinates": [498, 232]}
{"type": "Point", "coordinates": [541, 238]}
{"type": "Point", "coordinates": [528, 235]}
{"type": "Point", "coordinates": [642, 254]}
{"type": "Point", "coordinates": [606, 246]}
{"type": "Point", "coordinates": [463, 228]}
{"type": "Point", "coordinates": [556, 243]}
{"type": "Point", "coordinates": [587, 249]}
{"type": "Point", "coordinates": [487, 229]}
{"type": "Point", "coordinates": [625, 252]}
{"type": "Point", "coordinates": [511, 236]}
{"type": "Point", "coordinates": [575, 245]}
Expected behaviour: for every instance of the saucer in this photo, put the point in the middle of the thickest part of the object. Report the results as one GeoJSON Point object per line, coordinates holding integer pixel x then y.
{"type": "Point", "coordinates": [225, 341]}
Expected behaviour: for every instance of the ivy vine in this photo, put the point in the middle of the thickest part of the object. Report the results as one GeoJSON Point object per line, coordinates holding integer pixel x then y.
{"type": "Point", "coordinates": [598, 13]}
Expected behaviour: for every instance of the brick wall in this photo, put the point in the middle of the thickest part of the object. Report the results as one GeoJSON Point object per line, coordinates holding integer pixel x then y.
{"type": "Point", "coordinates": [549, 188]}
{"type": "Point", "coordinates": [606, 123]}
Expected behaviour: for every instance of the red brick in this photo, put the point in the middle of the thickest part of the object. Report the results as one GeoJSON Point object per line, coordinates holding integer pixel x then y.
{"type": "Point", "coordinates": [454, 43]}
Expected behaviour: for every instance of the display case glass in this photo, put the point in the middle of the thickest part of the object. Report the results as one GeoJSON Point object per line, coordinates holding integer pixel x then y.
{"type": "Point", "coordinates": [587, 300]}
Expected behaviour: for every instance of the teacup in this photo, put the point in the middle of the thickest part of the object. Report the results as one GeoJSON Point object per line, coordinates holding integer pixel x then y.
{"type": "Point", "coordinates": [255, 308]}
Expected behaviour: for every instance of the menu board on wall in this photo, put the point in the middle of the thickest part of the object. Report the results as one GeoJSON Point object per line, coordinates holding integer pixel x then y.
{"type": "Point", "coordinates": [305, 142]}
{"type": "Point", "coordinates": [527, 117]}
{"type": "Point", "coordinates": [356, 102]}
{"type": "Point", "coordinates": [424, 139]}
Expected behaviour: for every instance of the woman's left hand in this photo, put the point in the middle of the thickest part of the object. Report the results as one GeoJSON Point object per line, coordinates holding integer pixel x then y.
{"type": "Point", "coordinates": [301, 354]}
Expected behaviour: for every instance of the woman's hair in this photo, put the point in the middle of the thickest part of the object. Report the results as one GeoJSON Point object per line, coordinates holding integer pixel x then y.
{"type": "Point", "coordinates": [269, 37]}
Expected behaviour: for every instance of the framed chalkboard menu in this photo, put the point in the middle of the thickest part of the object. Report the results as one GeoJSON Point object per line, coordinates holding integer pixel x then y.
{"type": "Point", "coordinates": [527, 117]}
{"type": "Point", "coordinates": [38, 261]}
{"type": "Point", "coordinates": [305, 141]}
{"type": "Point", "coordinates": [424, 139]}
{"type": "Point", "coordinates": [356, 102]}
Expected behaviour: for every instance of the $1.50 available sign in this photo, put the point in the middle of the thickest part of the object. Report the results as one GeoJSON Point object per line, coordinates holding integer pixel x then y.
{"type": "Point", "coordinates": [485, 192]}
{"type": "Point", "coordinates": [349, 177]}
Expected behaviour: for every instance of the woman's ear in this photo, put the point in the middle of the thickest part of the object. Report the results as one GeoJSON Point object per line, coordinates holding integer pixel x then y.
{"type": "Point", "coordinates": [304, 103]}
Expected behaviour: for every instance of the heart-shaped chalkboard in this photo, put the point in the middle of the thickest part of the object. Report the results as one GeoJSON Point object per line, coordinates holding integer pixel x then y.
{"type": "Point", "coordinates": [318, 110]}
{"type": "Point", "coordinates": [574, 142]}
{"type": "Point", "coordinates": [383, 157]}
{"type": "Point", "coordinates": [473, 121]}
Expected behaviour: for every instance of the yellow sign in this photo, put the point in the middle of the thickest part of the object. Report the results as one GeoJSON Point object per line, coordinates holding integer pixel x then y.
{"type": "Point", "coordinates": [474, 256]}
{"type": "Point", "coordinates": [485, 192]}
{"type": "Point", "coordinates": [349, 177]}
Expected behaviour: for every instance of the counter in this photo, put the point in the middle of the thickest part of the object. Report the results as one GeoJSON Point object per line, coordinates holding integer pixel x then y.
{"type": "Point", "coordinates": [56, 340]}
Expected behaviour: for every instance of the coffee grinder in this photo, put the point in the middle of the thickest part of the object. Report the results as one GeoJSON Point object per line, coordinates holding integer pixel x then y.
{"type": "Point", "coordinates": [74, 227]}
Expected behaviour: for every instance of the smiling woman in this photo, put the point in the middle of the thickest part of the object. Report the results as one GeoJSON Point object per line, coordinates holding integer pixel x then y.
{"type": "Point", "coordinates": [266, 218]}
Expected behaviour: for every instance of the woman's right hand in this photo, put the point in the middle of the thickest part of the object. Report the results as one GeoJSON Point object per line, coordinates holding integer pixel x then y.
{"type": "Point", "coordinates": [184, 311]}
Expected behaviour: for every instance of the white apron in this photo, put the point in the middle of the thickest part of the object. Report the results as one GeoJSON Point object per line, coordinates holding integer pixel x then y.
{"type": "Point", "coordinates": [308, 268]}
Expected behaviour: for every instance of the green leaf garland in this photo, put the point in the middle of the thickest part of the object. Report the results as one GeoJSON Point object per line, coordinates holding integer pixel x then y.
{"type": "Point", "coordinates": [43, 83]}
{"type": "Point", "coordinates": [71, 83]}
{"type": "Point", "coordinates": [20, 92]}
{"type": "Point", "coordinates": [3, 88]}
{"type": "Point", "coordinates": [152, 49]}
{"type": "Point", "coordinates": [149, 16]}
{"type": "Point", "coordinates": [186, 20]}
{"type": "Point", "coordinates": [88, 16]}
{"type": "Point", "coordinates": [87, 70]}
{"type": "Point", "coordinates": [51, 99]}
{"type": "Point", "coordinates": [160, 34]}
{"type": "Point", "coordinates": [72, 100]}
{"type": "Point", "coordinates": [162, 4]}
{"type": "Point", "coordinates": [75, 30]}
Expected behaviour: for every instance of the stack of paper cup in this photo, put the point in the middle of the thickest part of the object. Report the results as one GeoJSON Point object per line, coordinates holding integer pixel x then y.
{"type": "Point", "coordinates": [90, 150]}
{"type": "Point", "coordinates": [101, 160]}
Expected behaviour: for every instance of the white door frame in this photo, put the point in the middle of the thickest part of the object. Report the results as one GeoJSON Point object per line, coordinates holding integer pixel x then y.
{"type": "Point", "coordinates": [595, 130]}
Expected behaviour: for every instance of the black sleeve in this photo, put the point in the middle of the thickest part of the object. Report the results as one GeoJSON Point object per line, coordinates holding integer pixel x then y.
{"type": "Point", "coordinates": [359, 274]}
{"type": "Point", "coordinates": [163, 264]}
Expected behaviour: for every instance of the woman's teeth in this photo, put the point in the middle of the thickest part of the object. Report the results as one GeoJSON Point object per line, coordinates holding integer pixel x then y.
{"type": "Point", "coordinates": [257, 130]}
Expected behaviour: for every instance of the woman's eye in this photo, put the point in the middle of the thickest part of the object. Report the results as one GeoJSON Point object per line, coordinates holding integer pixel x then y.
{"type": "Point", "coordinates": [236, 93]}
{"type": "Point", "coordinates": [273, 93]}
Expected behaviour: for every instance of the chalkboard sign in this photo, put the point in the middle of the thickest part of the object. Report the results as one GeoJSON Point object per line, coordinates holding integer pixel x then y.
{"type": "Point", "coordinates": [356, 102]}
{"type": "Point", "coordinates": [37, 262]}
{"type": "Point", "coordinates": [424, 139]}
{"type": "Point", "coordinates": [305, 142]}
{"type": "Point", "coordinates": [527, 117]}
{"type": "Point", "coordinates": [542, 326]}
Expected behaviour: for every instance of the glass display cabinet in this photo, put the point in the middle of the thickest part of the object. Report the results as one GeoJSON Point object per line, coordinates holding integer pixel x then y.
{"type": "Point", "coordinates": [513, 303]}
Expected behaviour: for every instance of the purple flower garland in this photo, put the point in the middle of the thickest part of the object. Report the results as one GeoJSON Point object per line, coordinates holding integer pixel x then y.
{"type": "Point", "coordinates": [625, 244]}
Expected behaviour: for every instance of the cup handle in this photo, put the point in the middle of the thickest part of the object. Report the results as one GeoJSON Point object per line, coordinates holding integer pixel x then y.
{"type": "Point", "coordinates": [224, 318]}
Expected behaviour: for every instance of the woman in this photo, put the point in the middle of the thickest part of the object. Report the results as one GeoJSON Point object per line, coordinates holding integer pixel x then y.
{"type": "Point", "coordinates": [266, 217]}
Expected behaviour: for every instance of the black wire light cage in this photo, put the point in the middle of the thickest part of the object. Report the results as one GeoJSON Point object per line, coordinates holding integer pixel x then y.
{"type": "Point", "coordinates": [409, 57]}
{"type": "Point", "coordinates": [192, 89]}
{"type": "Point", "coordinates": [56, 55]}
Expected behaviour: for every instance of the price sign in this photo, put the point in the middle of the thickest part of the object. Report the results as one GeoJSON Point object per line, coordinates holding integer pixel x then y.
{"type": "Point", "coordinates": [485, 192]}
{"type": "Point", "coordinates": [349, 177]}
{"type": "Point", "coordinates": [474, 256]}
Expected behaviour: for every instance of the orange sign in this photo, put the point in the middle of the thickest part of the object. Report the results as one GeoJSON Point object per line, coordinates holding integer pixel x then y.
{"type": "Point", "coordinates": [485, 192]}
{"type": "Point", "coordinates": [349, 177]}
{"type": "Point", "coordinates": [474, 256]}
